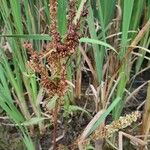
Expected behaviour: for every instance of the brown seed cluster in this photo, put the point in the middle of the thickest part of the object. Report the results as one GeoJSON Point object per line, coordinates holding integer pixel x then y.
{"type": "Point", "coordinates": [50, 63]}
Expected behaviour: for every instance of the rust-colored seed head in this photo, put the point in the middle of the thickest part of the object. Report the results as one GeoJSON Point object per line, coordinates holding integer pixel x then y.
{"type": "Point", "coordinates": [53, 26]}
{"type": "Point", "coordinates": [53, 72]}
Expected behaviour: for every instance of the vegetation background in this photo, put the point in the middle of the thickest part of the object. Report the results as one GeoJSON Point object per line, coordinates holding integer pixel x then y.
{"type": "Point", "coordinates": [106, 61]}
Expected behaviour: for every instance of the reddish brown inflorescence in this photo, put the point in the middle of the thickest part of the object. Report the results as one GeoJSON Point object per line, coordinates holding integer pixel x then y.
{"type": "Point", "coordinates": [55, 54]}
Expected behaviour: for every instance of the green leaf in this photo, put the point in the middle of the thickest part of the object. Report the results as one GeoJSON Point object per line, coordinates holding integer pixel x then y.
{"type": "Point", "coordinates": [29, 36]}
{"type": "Point", "coordinates": [62, 19]}
{"type": "Point", "coordinates": [93, 41]}
{"type": "Point", "coordinates": [98, 54]}
{"type": "Point", "coordinates": [127, 12]}
{"type": "Point", "coordinates": [33, 121]}
{"type": "Point", "coordinates": [52, 102]}
{"type": "Point", "coordinates": [73, 108]}
{"type": "Point", "coordinates": [104, 115]}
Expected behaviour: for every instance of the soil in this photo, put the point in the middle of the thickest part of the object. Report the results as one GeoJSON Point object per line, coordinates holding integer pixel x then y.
{"type": "Point", "coordinates": [10, 139]}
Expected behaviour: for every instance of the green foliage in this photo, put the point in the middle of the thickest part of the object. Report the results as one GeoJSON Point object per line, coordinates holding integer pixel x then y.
{"type": "Point", "coordinates": [102, 118]}
{"type": "Point", "coordinates": [93, 41]}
